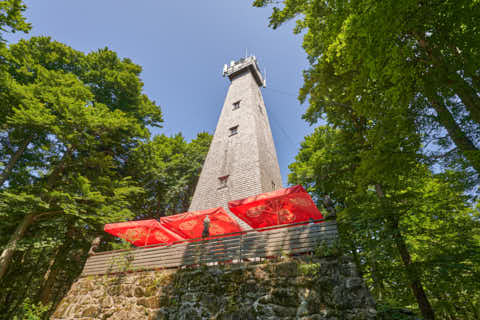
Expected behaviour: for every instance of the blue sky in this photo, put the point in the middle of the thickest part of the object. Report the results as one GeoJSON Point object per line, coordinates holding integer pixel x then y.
{"type": "Point", "coordinates": [182, 47]}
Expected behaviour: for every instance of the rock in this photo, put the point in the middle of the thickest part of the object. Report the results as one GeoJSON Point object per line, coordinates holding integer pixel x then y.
{"type": "Point", "coordinates": [264, 310]}
{"type": "Point", "coordinates": [107, 301]}
{"type": "Point", "coordinates": [128, 292]}
{"type": "Point", "coordinates": [122, 315]}
{"type": "Point", "coordinates": [284, 297]}
{"type": "Point", "coordinates": [242, 314]}
{"type": "Point", "coordinates": [282, 311]}
{"type": "Point", "coordinates": [302, 309]}
{"type": "Point", "coordinates": [354, 283]}
{"type": "Point", "coordinates": [139, 292]}
{"type": "Point", "coordinates": [119, 301]}
{"type": "Point", "coordinates": [316, 317]}
{"type": "Point", "coordinates": [150, 291]}
{"type": "Point", "coordinates": [286, 269]}
{"type": "Point", "coordinates": [62, 307]}
{"type": "Point", "coordinates": [152, 302]}
{"type": "Point", "coordinates": [114, 290]}
{"type": "Point", "coordinates": [188, 313]}
{"type": "Point", "coordinates": [86, 284]}
{"type": "Point", "coordinates": [210, 302]}
{"type": "Point", "coordinates": [91, 311]}
{"type": "Point", "coordinates": [71, 311]}
{"type": "Point", "coordinates": [158, 315]}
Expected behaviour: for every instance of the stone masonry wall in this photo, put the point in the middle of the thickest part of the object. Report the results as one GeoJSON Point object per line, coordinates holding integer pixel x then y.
{"type": "Point", "coordinates": [320, 288]}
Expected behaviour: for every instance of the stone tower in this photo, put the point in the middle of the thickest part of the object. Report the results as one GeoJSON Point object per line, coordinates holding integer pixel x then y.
{"type": "Point", "coordinates": [242, 160]}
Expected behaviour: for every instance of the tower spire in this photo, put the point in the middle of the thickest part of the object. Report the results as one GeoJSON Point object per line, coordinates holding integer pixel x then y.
{"type": "Point", "coordinates": [242, 160]}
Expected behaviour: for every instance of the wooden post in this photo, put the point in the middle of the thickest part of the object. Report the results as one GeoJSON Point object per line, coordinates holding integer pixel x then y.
{"type": "Point", "coordinates": [240, 251]}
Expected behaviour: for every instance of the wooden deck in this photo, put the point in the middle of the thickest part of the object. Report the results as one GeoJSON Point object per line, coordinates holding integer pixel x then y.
{"type": "Point", "coordinates": [234, 248]}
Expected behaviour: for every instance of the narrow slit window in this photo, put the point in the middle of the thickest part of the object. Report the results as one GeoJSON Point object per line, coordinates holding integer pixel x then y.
{"type": "Point", "coordinates": [273, 185]}
{"type": "Point", "coordinates": [236, 105]}
{"type": "Point", "coordinates": [222, 181]}
{"type": "Point", "coordinates": [233, 130]}
{"type": "Point", "coordinates": [260, 109]}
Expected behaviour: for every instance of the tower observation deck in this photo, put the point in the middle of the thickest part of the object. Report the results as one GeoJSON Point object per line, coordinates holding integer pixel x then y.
{"type": "Point", "coordinates": [244, 65]}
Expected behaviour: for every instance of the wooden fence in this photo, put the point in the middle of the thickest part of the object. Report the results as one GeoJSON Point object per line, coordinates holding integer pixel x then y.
{"type": "Point", "coordinates": [232, 248]}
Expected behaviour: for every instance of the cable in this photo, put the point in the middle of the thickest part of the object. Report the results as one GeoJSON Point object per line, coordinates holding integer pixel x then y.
{"type": "Point", "coordinates": [296, 96]}
{"type": "Point", "coordinates": [282, 92]}
{"type": "Point", "coordinates": [274, 118]}
{"type": "Point", "coordinates": [277, 123]}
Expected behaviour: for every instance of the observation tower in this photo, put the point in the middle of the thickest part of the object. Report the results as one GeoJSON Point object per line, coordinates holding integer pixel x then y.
{"type": "Point", "coordinates": [242, 159]}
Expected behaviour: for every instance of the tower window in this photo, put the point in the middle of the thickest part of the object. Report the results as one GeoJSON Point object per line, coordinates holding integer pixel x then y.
{"type": "Point", "coordinates": [236, 105]}
{"type": "Point", "coordinates": [223, 181]}
{"type": "Point", "coordinates": [260, 109]}
{"type": "Point", "coordinates": [233, 130]}
{"type": "Point", "coordinates": [273, 185]}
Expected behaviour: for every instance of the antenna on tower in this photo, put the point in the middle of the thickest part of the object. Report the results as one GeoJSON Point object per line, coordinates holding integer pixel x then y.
{"type": "Point", "coordinates": [246, 53]}
{"type": "Point", "coordinates": [265, 78]}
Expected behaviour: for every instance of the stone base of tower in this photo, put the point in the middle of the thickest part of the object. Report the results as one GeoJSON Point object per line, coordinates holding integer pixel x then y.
{"type": "Point", "coordinates": [310, 288]}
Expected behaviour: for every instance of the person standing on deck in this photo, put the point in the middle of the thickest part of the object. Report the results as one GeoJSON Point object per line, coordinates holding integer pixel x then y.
{"type": "Point", "coordinates": [206, 227]}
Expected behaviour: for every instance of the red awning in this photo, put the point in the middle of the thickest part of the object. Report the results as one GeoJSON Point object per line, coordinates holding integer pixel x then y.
{"type": "Point", "coordinates": [142, 233]}
{"type": "Point", "coordinates": [190, 224]}
{"type": "Point", "coordinates": [284, 206]}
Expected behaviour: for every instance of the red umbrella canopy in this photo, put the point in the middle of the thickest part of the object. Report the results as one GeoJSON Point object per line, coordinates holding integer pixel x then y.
{"type": "Point", "coordinates": [284, 206]}
{"type": "Point", "coordinates": [142, 233]}
{"type": "Point", "coordinates": [190, 224]}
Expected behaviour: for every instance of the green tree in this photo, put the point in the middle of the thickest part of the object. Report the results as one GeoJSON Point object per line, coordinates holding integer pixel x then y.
{"type": "Point", "coordinates": [417, 55]}
{"type": "Point", "coordinates": [70, 122]}
{"type": "Point", "coordinates": [52, 252]}
{"type": "Point", "coordinates": [167, 168]}
{"type": "Point", "coordinates": [396, 84]}
{"type": "Point", "coordinates": [419, 231]}
{"type": "Point", "coordinates": [11, 20]}
{"type": "Point", "coordinates": [11, 17]}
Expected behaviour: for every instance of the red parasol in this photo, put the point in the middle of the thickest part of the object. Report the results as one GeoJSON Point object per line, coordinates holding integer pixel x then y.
{"type": "Point", "coordinates": [284, 206]}
{"type": "Point", "coordinates": [190, 224]}
{"type": "Point", "coordinates": [142, 232]}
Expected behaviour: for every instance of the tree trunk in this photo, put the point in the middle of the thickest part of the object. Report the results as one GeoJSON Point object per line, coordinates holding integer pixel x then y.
{"type": "Point", "coordinates": [469, 97]}
{"type": "Point", "coordinates": [415, 282]}
{"type": "Point", "coordinates": [13, 160]}
{"type": "Point", "coordinates": [449, 76]}
{"type": "Point", "coordinates": [23, 288]}
{"type": "Point", "coordinates": [28, 219]}
{"type": "Point", "coordinates": [50, 276]}
{"type": "Point", "coordinates": [377, 281]}
{"type": "Point", "coordinates": [463, 143]}
{"type": "Point", "coordinates": [12, 243]}
{"type": "Point", "coordinates": [59, 168]}
{"type": "Point", "coordinates": [476, 82]}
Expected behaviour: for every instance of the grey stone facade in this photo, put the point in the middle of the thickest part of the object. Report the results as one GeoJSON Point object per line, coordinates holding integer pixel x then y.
{"type": "Point", "coordinates": [242, 160]}
{"type": "Point", "coordinates": [323, 288]}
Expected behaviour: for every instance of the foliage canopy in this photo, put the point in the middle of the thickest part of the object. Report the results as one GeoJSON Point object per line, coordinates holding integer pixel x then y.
{"type": "Point", "coordinates": [397, 84]}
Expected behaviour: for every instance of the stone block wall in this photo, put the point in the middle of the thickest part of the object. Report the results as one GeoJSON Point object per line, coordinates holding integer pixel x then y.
{"type": "Point", "coordinates": [317, 288]}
